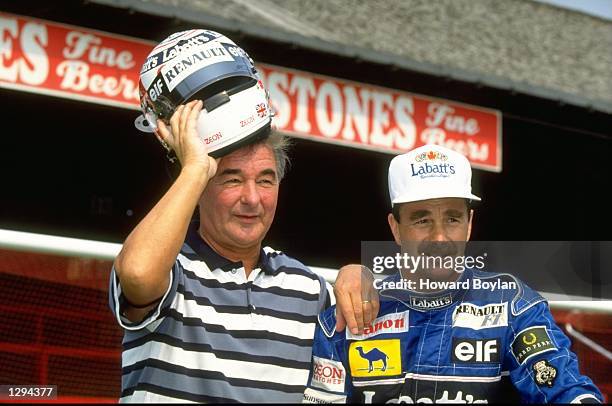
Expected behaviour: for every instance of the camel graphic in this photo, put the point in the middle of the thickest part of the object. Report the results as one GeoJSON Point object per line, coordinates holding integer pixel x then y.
{"type": "Point", "coordinates": [373, 355]}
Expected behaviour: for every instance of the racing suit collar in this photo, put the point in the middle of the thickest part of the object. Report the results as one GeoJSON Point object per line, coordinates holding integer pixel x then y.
{"type": "Point", "coordinates": [421, 301]}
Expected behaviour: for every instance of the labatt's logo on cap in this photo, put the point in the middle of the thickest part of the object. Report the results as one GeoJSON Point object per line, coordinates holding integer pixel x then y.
{"type": "Point", "coordinates": [432, 164]}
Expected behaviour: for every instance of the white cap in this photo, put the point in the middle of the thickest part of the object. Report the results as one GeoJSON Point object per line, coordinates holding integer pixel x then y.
{"type": "Point", "coordinates": [430, 172]}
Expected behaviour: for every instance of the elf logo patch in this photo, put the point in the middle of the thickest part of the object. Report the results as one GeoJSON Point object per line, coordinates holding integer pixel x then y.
{"type": "Point", "coordinates": [531, 341]}
{"type": "Point", "coordinates": [467, 350]}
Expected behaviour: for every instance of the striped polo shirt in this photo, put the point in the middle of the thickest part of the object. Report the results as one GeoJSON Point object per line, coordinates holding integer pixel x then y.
{"type": "Point", "coordinates": [218, 336]}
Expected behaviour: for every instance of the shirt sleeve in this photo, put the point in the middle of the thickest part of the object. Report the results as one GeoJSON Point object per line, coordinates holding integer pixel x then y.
{"type": "Point", "coordinates": [118, 302]}
{"type": "Point", "coordinates": [542, 367]}
{"type": "Point", "coordinates": [328, 381]}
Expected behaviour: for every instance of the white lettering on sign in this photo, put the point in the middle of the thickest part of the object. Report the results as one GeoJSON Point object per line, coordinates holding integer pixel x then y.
{"type": "Point", "coordinates": [329, 119]}
{"type": "Point", "coordinates": [278, 85]}
{"type": "Point", "coordinates": [81, 45]}
{"type": "Point", "coordinates": [94, 66]}
{"type": "Point", "coordinates": [356, 114]}
{"type": "Point", "coordinates": [473, 150]}
{"type": "Point", "coordinates": [440, 115]}
{"type": "Point", "coordinates": [76, 76]}
{"type": "Point", "coordinates": [31, 65]}
{"type": "Point", "coordinates": [333, 110]}
{"type": "Point", "coordinates": [304, 89]}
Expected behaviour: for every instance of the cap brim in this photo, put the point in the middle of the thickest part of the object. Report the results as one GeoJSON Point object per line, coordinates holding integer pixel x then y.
{"type": "Point", "coordinates": [412, 197]}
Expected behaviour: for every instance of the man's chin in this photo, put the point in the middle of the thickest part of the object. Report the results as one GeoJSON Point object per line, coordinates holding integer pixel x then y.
{"type": "Point", "coordinates": [247, 236]}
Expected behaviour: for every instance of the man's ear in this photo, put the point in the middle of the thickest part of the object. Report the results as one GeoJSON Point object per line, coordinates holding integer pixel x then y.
{"type": "Point", "coordinates": [394, 228]}
{"type": "Point", "coordinates": [469, 231]}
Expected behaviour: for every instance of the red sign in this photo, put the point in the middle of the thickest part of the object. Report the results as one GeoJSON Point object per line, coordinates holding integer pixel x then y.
{"type": "Point", "coordinates": [74, 62]}
{"type": "Point", "coordinates": [364, 116]}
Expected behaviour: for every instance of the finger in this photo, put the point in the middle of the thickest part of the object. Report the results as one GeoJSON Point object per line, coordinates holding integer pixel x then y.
{"type": "Point", "coordinates": [366, 308]}
{"type": "Point", "coordinates": [344, 306]}
{"type": "Point", "coordinates": [212, 167]}
{"type": "Point", "coordinates": [183, 119]}
{"type": "Point", "coordinates": [368, 295]}
{"type": "Point", "coordinates": [164, 135]}
{"type": "Point", "coordinates": [358, 309]}
{"type": "Point", "coordinates": [192, 118]}
{"type": "Point", "coordinates": [174, 120]}
{"type": "Point", "coordinates": [162, 131]}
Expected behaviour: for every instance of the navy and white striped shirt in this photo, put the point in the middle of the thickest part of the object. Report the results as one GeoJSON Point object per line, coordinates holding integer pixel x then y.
{"type": "Point", "coordinates": [217, 336]}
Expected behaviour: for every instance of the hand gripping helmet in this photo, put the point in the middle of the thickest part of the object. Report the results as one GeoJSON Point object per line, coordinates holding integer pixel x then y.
{"type": "Point", "coordinates": [205, 65]}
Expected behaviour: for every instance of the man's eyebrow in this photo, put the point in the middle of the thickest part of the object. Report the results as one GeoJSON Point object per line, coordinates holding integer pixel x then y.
{"type": "Point", "coordinates": [419, 214]}
{"type": "Point", "coordinates": [267, 172]}
{"type": "Point", "coordinates": [455, 213]}
{"type": "Point", "coordinates": [230, 172]}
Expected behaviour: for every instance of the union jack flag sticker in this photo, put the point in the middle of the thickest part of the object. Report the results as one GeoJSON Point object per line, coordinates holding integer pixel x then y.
{"type": "Point", "coordinates": [261, 110]}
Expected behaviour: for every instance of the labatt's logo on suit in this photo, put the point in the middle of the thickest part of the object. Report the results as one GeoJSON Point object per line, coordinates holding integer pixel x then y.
{"type": "Point", "coordinates": [432, 164]}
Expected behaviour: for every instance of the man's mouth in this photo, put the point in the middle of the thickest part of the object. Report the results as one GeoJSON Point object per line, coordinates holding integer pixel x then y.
{"type": "Point", "coordinates": [247, 218]}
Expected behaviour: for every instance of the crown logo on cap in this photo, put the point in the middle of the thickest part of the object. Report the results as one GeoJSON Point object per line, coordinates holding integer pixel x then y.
{"type": "Point", "coordinates": [430, 156]}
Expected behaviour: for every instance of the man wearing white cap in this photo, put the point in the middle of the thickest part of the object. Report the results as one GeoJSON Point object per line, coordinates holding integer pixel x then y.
{"type": "Point", "coordinates": [438, 337]}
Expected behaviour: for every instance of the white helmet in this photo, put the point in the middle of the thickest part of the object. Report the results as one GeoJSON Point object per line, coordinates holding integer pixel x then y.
{"type": "Point", "coordinates": [205, 65]}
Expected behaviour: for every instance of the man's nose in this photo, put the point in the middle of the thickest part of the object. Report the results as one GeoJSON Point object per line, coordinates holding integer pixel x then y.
{"type": "Point", "coordinates": [249, 194]}
{"type": "Point", "coordinates": [438, 232]}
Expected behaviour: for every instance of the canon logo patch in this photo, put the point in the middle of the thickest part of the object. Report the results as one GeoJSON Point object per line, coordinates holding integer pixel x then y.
{"type": "Point", "coordinates": [470, 350]}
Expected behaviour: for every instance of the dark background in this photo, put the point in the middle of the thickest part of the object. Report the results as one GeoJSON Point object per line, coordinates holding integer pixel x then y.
{"type": "Point", "coordinates": [82, 170]}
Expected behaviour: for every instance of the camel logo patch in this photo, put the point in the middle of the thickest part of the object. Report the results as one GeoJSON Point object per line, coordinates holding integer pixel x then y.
{"type": "Point", "coordinates": [375, 358]}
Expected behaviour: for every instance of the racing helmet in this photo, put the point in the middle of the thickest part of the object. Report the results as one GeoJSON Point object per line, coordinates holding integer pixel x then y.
{"type": "Point", "coordinates": [205, 65]}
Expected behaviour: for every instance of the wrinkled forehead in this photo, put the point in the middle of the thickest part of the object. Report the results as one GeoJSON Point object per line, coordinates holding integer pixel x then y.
{"type": "Point", "coordinates": [249, 159]}
{"type": "Point", "coordinates": [435, 205]}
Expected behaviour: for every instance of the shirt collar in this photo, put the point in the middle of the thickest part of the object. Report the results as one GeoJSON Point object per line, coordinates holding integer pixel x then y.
{"type": "Point", "coordinates": [215, 260]}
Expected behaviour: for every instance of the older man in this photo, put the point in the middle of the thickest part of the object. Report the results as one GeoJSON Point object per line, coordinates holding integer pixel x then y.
{"type": "Point", "coordinates": [438, 336]}
{"type": "Point", "coordinates": [209, 315]}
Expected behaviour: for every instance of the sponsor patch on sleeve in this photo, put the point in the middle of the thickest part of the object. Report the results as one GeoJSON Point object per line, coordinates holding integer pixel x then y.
{"type": "Point", "coordinates": [316, 396]}
{"type": "Point", "coordinates": [328, 375]}
{"type": "Point", "coordinates": [544, 373]}
{"type": "Point", "coordinates": [531, 341]}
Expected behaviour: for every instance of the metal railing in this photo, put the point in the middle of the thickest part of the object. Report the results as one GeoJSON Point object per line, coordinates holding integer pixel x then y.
{"type": "Point", "coordinates": [50, 244]}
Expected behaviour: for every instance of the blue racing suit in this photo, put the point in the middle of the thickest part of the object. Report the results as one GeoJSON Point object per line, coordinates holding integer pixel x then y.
{"type": "Point", "coordinates": [488, 338]}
